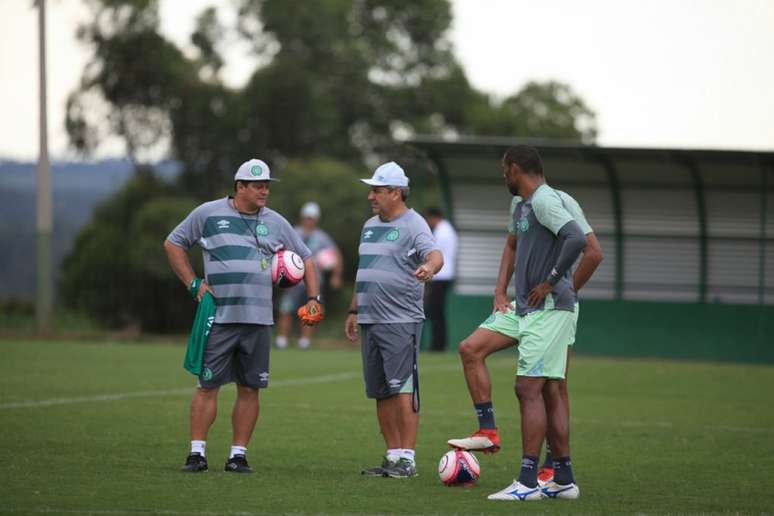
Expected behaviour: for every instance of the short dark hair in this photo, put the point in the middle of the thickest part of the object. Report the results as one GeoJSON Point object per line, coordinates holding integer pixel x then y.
{"type": "Point", "coordinates": [525, 157]}
{"type": "Point", "coordinates": [434, 211]}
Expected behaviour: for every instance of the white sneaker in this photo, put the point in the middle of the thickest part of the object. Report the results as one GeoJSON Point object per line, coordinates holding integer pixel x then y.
{"type": "Point", "coordinates": [517, 492]}
{"type": "Point", "coordinates": [281, 342]}
{"type": "Point", "coordinates": [566, 492]}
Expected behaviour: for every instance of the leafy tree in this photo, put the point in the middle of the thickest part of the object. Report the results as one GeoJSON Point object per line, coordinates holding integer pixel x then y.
{"type": "Point", "coordinates": [337, 80]}
{"type": "Point", "coordinates": [117, 270]}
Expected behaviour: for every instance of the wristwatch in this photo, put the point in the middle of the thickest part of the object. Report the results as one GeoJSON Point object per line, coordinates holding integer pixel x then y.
{"type": "Point", "coordinates": [315, 298]}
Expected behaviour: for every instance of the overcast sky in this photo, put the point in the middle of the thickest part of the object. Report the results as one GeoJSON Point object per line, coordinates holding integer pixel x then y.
{"type": "Point", "coordinates": [679, 73]}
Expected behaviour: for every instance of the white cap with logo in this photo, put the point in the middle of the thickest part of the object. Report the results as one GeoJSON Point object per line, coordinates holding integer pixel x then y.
{"type": "Point", "coordinates": [389, 174]}
{"type": "Point", "coordinates": [310, 210]}
{"type": "Point", "coordinates": [254, 170]}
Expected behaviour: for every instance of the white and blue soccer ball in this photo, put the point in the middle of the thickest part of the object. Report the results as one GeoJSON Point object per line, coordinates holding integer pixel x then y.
{"type": "Point", "coordinates": [459, 468]}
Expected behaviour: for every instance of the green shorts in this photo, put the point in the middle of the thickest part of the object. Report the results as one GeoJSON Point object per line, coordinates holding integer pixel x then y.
{"type": "Point", "coordinates": [543, 338]}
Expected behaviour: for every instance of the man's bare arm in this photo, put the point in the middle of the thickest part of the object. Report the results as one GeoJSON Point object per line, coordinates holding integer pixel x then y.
{"type": "Point", "coordinates": [501, 301]}
{"type": "Point", "coordinates": [592, 257]}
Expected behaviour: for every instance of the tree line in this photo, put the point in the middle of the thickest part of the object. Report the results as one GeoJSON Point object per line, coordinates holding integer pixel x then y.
{"type": "Point", "coordinates": [335, 82]}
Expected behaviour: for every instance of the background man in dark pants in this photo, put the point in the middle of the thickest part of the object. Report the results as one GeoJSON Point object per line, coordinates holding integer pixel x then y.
{"type": "Point", "coordinates": [441, 284]}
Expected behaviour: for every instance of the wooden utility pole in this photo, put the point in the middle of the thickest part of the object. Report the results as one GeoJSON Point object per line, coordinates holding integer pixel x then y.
{"type": "Point", "coordinates": [44, 224]}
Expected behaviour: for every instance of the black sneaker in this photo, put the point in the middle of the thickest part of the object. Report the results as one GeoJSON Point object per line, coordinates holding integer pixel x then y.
{"type": "Point", "coordinates": [404, 468]}
{"type": "Point", "coordinates": [195, 463]}
{"type": "Point", "coordinates": [238, 464]}
{"type": "Point", "coordinates": [378, 471]}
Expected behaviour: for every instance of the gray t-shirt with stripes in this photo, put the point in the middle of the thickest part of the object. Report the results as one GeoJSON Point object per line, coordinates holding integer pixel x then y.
{"type": "Point", "coordinates": [390, 252]}
{"type": "Point", "coordinates": [237, 251]}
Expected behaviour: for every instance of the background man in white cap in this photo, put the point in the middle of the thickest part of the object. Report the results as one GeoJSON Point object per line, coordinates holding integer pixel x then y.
{"type": "Point", "coordinates": [328, 259]}
{"type": "Point", "coordinates": [238, 235]}
{"type": "Point", "coordinates": [397, 254]}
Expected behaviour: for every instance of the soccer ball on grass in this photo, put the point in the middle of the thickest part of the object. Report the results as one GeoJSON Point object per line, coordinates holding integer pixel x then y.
{"type": "Point", "coordinates": [459, 468]}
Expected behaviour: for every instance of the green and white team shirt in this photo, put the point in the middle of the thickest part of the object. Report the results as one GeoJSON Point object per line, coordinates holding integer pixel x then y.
{"type": "Point", "coordinates": [237, 251]}
{"type": "Point", "coordinates": [390, 252]}
{"type": "Point", "coordinates": [536, 222]}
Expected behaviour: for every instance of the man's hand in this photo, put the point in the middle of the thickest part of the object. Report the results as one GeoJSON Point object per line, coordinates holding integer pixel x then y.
{"type": "Point", "coordinates": [311, 313]}
{"type": "Point", "coordinates": [350, 328]}
{"type": "Point", "coordinates": [501, 302]}
{"type": "Point", "coordinates": [424, 272]}
{"type": "Point", "coordinates": [539, 293]}
{"type": "Point", "coordinates": [202, 289]}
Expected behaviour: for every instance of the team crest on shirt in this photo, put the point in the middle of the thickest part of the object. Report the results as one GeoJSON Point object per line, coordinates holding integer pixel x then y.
{"type": "Point", "coordinates": [392, 236]}
{"type": "Point", "coordinates": [206, 374]}
{"type": "Point", "coordinates": [262, 229]}
{"type": "Point", "coordinates": [523, 224]}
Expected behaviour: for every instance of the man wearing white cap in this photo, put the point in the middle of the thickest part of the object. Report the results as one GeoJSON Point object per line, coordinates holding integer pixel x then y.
{"type": "Point", "coordinates": [327, 257]}
{"type": "Point", "coordinates": [238, 236]}
{"type": "Point", "coordinates": [397, 254]}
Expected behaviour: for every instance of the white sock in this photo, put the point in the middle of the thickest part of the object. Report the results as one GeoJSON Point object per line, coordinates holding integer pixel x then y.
{"type": "Point", "coordinates": [393, 454]}
{"type": "Point", "coordinates": [237, 450]}
{"type": "Point", "coordinates": [304, 343]}
{"type": "Point", "coordinates": [405, 453]}
{"type": "Point", "coordinates": [198, 447]}
{"type": "Point", "coordinates": [281, 341]}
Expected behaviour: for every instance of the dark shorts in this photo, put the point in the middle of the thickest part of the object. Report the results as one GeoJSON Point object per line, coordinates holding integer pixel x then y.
{"type": "Point", "coordinates": [390, 358]}
{"type": "Point", "coordinates": [237, 353]}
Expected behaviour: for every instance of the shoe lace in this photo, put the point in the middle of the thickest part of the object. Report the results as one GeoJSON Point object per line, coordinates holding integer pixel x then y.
{"type": "Point", "coordinates": [405, 463]}
{"type": "Point", "coordinates": [239, 459]}
{"type": "Point", "coordinates": [194, 458]}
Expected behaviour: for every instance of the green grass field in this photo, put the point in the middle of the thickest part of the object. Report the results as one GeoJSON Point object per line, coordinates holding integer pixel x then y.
{"type": "Point", "coordinates": [101, 428]}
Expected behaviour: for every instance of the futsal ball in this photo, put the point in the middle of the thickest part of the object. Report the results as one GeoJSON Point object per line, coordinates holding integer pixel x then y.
{"type": "Point", "coordinates": [287, 268]}
{"type": "Point", "coordinates": [459, 468]}
{"type": "Point", "coordinates": [326, 259]}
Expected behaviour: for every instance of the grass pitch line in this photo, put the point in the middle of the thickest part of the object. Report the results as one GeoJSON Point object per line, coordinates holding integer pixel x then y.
{"type": "Point", "coordinates": [52, 402]}
{"type": "Point", "coordinates": [128, 511]}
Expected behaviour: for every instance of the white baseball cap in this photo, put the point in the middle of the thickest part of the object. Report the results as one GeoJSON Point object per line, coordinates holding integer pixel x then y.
{"type": "Point", "coordinates": [389, 174]}
{"type": "Point", "coordinates": [253, 170]}
{"type": "Point", "coordinates": [311, 210]}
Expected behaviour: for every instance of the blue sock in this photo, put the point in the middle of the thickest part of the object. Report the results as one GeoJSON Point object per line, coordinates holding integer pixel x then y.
{"type": "Point", "coordinates": [563, 471]}
{"type": "Point", "coordinates": [529, 471]}
{"type": "Point", "coordinates": [485, 413]}
{"type": "Point", "coordinates": [548, 462]}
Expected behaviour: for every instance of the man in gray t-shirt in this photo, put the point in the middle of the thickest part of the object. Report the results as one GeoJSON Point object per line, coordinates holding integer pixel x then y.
{"type": "Point", "coordinates": [397, 253]}
{"type": "Point", "coordinates": [238, 236]}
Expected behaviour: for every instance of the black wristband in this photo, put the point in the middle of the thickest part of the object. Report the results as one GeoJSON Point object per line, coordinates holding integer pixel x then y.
{"type": "Point", "coordinates": [353, 312]}
{"type": "Point", "coordinates": [314, 298]}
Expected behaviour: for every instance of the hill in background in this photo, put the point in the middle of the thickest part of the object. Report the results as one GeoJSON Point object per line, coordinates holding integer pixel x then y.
{"type": "Point", "coordinates": [77, 188]}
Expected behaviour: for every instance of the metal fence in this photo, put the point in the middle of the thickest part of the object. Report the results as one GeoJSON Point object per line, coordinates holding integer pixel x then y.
{"type": "Point", "coordinates": [675, 225]}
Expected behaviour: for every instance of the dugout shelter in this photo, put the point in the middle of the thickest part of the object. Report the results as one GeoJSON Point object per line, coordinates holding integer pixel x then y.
{"type": "Point", "coordinates": [688, 239]}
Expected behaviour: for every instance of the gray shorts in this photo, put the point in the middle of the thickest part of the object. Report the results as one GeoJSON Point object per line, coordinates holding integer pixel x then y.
{"type": "Point", "coordinates": [237, 353]}
{"type": "Point", "coordinates": [390, 358]}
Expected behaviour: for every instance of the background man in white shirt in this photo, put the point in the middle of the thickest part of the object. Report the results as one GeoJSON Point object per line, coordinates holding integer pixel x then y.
{"type": "Point", "coordinates": [441, 284]}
